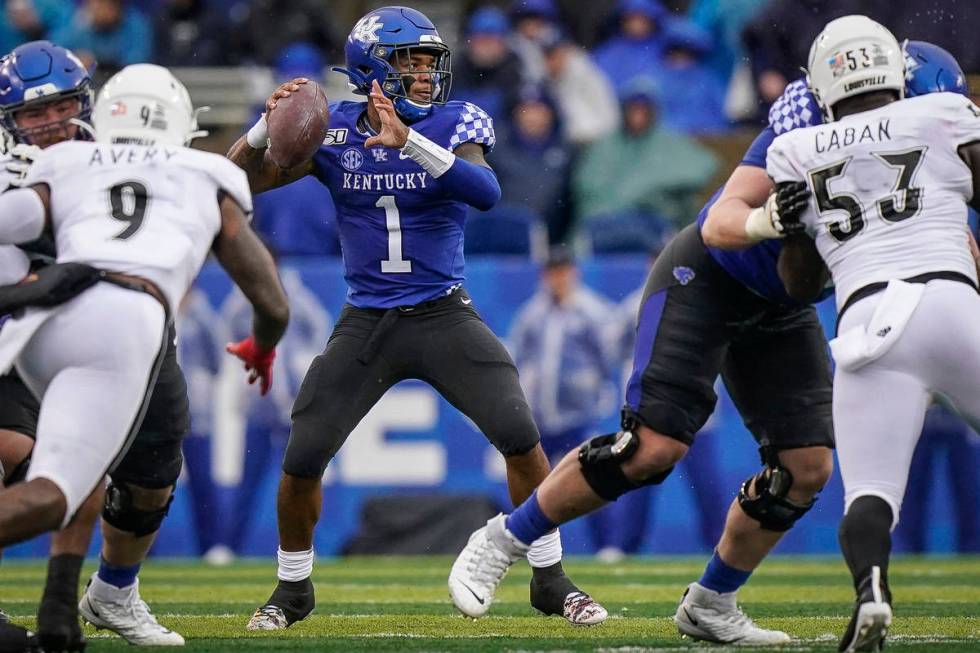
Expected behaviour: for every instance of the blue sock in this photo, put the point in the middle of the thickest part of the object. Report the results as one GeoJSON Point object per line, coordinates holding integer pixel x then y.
{"type": "Point", "coordinates": [721, 578]}
{"type": "Point", "coordinates": [118, 576]}
{"type": "Point", "coordinates": [527, 523]}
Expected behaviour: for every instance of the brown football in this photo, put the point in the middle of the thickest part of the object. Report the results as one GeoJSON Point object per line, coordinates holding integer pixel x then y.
{"type": "Point", "coordinates": [298, 125]}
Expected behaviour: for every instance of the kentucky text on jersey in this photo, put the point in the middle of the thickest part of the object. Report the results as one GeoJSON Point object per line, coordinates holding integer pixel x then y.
{"type": "Point", "coordinates": [387, 181]}
{"type": "Point", "coordinates": [847, 136]}
{"type": "Point", "coordinates": [400, 232]}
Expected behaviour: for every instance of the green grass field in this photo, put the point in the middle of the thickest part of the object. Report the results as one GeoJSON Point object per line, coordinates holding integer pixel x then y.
{"type": "Point", "coordinates": [401, 604]}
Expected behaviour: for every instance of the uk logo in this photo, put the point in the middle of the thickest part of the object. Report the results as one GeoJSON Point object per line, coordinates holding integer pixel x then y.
{"type": "Point", "coordinates": [366, 30]}
{"type": "Point", "coordinates": [683, 274]}
{"type": "Point", "coordinates": [351, 159]}
{"type": "Point", "coordinates": [380, 154]}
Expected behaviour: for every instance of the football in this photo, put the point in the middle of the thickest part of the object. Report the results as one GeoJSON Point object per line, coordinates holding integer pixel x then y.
{"type": "Point", "coordinates": [298, 125]}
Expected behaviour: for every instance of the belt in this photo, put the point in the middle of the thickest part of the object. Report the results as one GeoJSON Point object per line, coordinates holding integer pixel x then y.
{"type": "Point", "coordinates": [390, 316]}
{"type": "Point", "coordinates": [139, 284]}
{"type": "Point", "coordinates": [878, 286]}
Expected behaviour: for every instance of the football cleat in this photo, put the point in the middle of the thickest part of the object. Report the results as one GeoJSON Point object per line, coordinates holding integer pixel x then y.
{"type": "Point", "coordinates": [553, 593]}
{"type": "Point", "coordinates": [127, 615]}
{"type": "Point", "coordinates": [872, 616]}
{"type": "Point", "coordinates": [481, 566]}
{"type": "Point", "coordinates": [57, 621]}
{"type": "Point", "coordinates": [290, 602]}
{"type": "Point", "coordinates": [17, 639]}
{"type": "Point", "coordinates": [580, 609]}
{"type": "Point", "coordinates": [704, 614]}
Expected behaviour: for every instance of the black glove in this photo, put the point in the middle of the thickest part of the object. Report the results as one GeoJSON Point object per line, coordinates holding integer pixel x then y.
{"type": "Point", "coordinates": [49, 286]}
{"type": "Point", "coordinates": [792, 198]}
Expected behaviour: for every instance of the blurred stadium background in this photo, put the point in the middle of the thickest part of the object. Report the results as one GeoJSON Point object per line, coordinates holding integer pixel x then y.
{"type": "Point", "coordinates": [615, 120]}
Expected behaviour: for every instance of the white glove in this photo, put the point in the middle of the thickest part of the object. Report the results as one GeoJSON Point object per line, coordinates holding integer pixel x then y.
{"type": "Point", "coordinates": [763, 222]}
{"type": "Point", "coordinates": [22, 156]}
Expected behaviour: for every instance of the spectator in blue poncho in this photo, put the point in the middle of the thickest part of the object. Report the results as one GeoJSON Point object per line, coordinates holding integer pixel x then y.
{"type": "Point", "coordinates": [488, 72]}
{"type": "Point", "coordinates": [31, 20]}
{"type": "Point", "coordinates": [108, 32]}
{"type": "Point", "coordinates": [636, 49]}
{"type": "Point", "coordinates": [691, 94]}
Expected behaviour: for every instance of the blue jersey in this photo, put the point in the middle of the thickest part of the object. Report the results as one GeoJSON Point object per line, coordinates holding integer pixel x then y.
{"type": "Point", "coordinates": [754, 267]}
{"type": "Point", "coordinates": [401, 235]}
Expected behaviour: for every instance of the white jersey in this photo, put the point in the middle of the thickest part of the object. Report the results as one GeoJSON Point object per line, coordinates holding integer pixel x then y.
{"type": "Point", "coordinates": [889, 190]}
{"type": "Point", "coordinates": [14, 263]}
{"type": "Point", "coordinates": [147, 211]}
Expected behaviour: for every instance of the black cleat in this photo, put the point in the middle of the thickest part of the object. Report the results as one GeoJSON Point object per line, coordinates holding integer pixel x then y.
{"type": "Point", "coordinates": [553, 593]}
{"type": "Point", "coordinates": [872, 616]}
{"type": "Point", "coordinates": [4, 617]}
{"type": "Point", "coordinates": [291, 601]}
{"type": "Point", "coordinates": [17, 639]}
{"type": "Point", "coordinates": [58, 629]}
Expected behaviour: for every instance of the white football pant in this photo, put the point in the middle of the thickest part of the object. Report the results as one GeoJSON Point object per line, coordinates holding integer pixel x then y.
{"type": "Point", "coordinates": [880, 407]}
{"type": "Point", "coordinates": [93, 363]}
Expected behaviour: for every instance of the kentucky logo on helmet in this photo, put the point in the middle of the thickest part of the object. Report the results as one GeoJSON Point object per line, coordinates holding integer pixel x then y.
{"type": "Point", "coordinates": [366, 30]}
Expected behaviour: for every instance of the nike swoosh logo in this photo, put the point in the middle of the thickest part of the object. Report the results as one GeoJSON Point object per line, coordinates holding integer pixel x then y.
{"type": "Point", "coordinates": [467, 302]}
{"type": "Point", "coordinates": [690, 617]}
{"type": "Point", "coordinates": [475, 595]}
{"type": "Point", "coordinates": [92, 608]}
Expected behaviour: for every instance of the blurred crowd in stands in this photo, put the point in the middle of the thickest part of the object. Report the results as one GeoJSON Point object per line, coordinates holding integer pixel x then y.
{"type": "Point", "coordinates": [605, 111]}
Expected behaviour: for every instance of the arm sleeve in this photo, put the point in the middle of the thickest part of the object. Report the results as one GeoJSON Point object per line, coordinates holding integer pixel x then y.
{"type": "Point", "coordinates": [756, 154]}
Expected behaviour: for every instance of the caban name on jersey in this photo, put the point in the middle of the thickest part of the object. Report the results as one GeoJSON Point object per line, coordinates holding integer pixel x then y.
{"type": "Point", "coordinates": [130, 155]}
{"type": "Point", "coordinates": [385, 181]}
{"type": "Point", "coordinates": [847, 136]}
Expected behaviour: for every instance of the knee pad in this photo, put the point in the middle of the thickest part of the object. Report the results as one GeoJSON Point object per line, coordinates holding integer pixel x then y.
{"type": "Point", "coordinates": [770, 506]}
{"type": "Point", "coordinates": [601, 460]}
{"type": "Point", "coordinates": [119, 511]}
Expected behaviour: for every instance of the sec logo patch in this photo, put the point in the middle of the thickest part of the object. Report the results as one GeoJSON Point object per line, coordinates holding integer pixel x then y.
{"type": "Point", "coordinates": [351, 159]}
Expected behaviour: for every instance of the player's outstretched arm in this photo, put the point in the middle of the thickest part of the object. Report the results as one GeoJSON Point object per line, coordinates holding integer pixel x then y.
{"type": "Point", "coordinates": [746, 190]}
{"type": "Point", "coordinates": [250, 266]}
{"type": "Point", "coordinates": [250, 152]}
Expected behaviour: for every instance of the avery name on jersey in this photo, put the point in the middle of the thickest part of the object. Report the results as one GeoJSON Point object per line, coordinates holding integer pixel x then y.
{"type": "Point", "coordinates": [846, 136]}
{"type": "Point", "coordinates": [386, 181]}
{"type": "Point", "coordinates": [129, 155]}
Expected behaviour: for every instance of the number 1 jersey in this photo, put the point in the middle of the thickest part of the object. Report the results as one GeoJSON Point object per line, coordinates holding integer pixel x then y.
{"type": "Point", "coordinates": [141, 210]}
{"type": "Point", "coordinates": [400, 233]}
{"type": "Point", "coordinates": [889, 189]}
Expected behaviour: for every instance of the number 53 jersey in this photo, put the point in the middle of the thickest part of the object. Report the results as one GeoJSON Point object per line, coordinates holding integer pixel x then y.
{"type": "Point", "coordinates": [141, 210]}
{"type": "Point", "coordinates": [400, 233]}
{"type": "Point", "coordinates": [889, 190]}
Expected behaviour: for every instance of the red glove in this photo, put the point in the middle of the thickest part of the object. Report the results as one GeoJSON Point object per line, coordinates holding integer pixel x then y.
{"type": "Point", "coordinates": [258, 361]}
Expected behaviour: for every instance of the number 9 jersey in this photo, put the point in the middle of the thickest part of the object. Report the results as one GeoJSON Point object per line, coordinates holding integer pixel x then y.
{"type": "Point", "coordinates": [889, 189]}
{"type": "Point", "coordinates": [149, 211]}
{"type": "Point", "coordinates": [401, 235]}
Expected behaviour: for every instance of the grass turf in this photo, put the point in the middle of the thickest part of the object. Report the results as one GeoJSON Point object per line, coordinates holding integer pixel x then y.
{"type": "Point", "coordinates": [401, 604]}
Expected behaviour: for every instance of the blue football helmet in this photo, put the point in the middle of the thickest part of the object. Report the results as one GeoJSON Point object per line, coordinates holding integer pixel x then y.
{"type": "Point", "coordinates": [930, 69]}
{"type": "Point", "coordinates": [388, 33]}
{"type": "Point", "coordinates": [37, 73]}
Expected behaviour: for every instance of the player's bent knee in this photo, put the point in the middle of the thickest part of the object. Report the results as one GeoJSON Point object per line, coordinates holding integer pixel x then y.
{"type": "Point", "coordinates": [811, 468]}
{"type": "Point", "coordinates": [765, 496]}
{"type": "Point", "coordinates": [138, 511]}
{"type": "Point", "coordinates": [602, 459]}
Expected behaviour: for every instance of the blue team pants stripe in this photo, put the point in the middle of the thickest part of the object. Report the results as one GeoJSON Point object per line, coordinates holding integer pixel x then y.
{"type": "Point", "coordinates": [646, 334]}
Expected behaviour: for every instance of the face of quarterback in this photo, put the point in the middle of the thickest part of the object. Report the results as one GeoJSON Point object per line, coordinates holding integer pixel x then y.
{"type": "Point", "coordinates": [46, 123]}
{"type": "Point", "coordinates": [419, 67]}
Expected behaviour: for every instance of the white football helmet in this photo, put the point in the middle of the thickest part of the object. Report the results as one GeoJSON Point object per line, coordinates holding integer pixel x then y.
{"type": "Point", "coordinates": [145, 104]}
{"type": "Point", "coordinates": [854, 55]}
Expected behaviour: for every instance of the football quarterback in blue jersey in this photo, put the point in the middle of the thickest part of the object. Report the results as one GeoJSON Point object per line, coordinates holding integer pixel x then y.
{"type": "Point", "coordinates": [714, 304]}
{"type": "Point", "coordinates": [403, 168]}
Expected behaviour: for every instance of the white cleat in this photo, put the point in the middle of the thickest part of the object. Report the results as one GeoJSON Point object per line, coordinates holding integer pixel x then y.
{"type": "Point", "coordinates": [871, 623]}
{"type": "Point", "coordinates": [714, 617]}
{"type": "Point", "coordinates": [128, 616]}
{"type": "Point", "coordinates": [481, 566]}
{"type": "Point", "coordinates": [580, 609]}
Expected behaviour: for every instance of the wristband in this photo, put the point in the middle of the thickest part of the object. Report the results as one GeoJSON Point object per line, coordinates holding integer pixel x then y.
{"type": "Point", "coordinates": [258, 136]}
{"type": "Point", "coordinates": [758, 224]}
{"type": "Point", "coordinates": [433, 158]}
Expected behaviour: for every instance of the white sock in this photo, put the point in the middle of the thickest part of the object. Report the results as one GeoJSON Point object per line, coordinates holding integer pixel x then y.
{"type": "Point", "coordinates": [295, 565]}
{"type": "Point", "coordinates": [109, 593]}
{"type": "Point", "coordinates": [546, 550]}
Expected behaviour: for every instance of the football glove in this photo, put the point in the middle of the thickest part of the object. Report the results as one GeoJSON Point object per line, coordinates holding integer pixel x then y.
{"type": "Point", "coordinates": [258, 361]}
{"type": "Point", "coordinates": [22, 157]}
{"type": "Point", "coordinates": [780, 215]}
